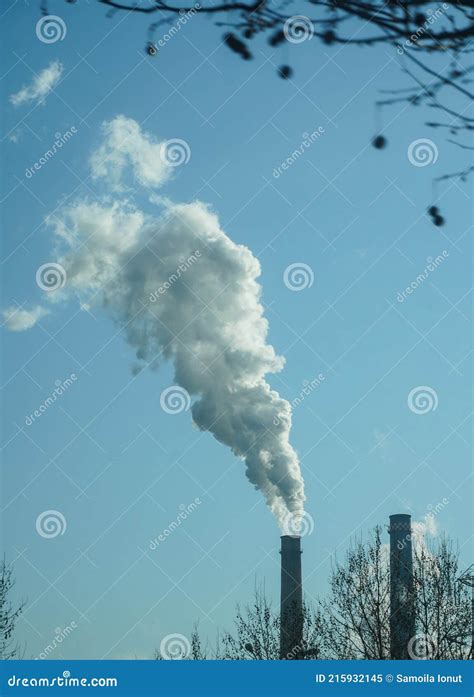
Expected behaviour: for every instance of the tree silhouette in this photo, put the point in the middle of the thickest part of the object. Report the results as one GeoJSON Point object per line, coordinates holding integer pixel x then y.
{"type": "Point", "coordinates": [8, 614]}
{"type": "Point", "coordinates": [353, 621]}
{"type": "Point", "coordinates": [356, 613]}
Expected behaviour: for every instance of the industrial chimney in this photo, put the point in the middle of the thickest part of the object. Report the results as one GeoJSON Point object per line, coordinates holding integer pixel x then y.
{"type": "Point", "coordinates": [402, 616]}
{"type": "Point", "coordinates": [291, 607]}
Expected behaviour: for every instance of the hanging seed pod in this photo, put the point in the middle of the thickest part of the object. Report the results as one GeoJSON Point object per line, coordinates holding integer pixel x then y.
{"type": "Point", "coordinates": [379, 142]}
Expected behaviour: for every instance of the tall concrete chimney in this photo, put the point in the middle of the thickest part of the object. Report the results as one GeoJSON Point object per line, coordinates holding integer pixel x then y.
{"type": "Point", "coordinates": [291, 607]}
{"type": "Point", "coordinates": [402, 611]}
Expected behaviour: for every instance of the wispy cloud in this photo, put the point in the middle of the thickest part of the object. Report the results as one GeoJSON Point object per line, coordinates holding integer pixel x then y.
{"type": "Point", "coordinates": [126, 146]}
{"type": "Point", "coordinates": [17, 319]}
{"type": "Point", "coordinates": [40, 86]}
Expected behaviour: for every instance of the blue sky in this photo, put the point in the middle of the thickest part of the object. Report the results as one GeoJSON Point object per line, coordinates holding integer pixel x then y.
{"type": "Point", "coordinates": [106, 455]}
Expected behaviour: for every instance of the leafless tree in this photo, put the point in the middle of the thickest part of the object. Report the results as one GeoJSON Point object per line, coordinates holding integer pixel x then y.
{"type": "Point", "coordinates": [443, 604]}
{"type": "Point", "coordinates": [355, 615]}
{"type": "Point", "coordinates": [8, 614]}
{"type": "Point", "coordinates": [256, 635]}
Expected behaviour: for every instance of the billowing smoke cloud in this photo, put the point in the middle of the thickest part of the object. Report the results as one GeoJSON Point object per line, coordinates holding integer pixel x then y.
{"type": "Point", "coordinates": [183, 291]}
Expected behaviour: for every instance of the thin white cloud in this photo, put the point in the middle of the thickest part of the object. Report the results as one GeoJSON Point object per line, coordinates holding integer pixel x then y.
{"type": "Point", "coordinates": [125, 146]}
{"type": "Point", "coordinates": [40, 86]}
{"type": "Point", "coordinates": [17, 319]}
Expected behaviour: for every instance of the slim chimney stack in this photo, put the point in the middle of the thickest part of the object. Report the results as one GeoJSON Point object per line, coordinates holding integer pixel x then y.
{"type": "Point", "coordinates": [402, 620]}
{"type": "Point", "coordinates": [291, 607]}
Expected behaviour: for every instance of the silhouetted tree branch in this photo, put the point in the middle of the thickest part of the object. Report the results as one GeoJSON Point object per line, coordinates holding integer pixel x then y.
{"type": "Point", "coordinates": [8, 614]}
{"type": "Point", "coordinates": [417, 32]}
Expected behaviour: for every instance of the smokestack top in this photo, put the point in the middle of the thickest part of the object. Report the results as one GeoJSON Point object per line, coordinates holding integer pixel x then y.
{"type": "Point", "coordinates": [400, 521]}
{"type": "Point", "coordinates": [290, 544]}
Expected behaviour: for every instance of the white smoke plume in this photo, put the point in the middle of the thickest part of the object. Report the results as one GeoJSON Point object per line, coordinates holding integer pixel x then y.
{"type": "Point", "coordinates": [184, 291]}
